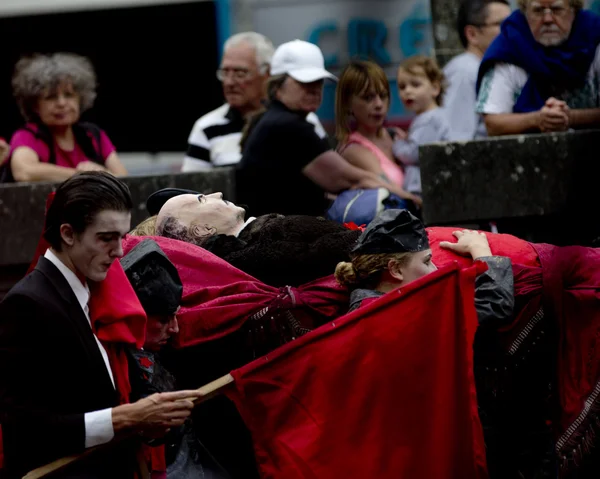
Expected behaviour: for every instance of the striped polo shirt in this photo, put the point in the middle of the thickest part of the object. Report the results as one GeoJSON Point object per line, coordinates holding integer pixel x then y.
{"type": "Point", "coordinates": [215, 140]}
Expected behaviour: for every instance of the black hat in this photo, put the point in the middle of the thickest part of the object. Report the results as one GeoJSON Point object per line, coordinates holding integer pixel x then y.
{"type": "Point", "coordinates": [393, 231]}
{"type": "Point", "coordinates": [154, 278]}
{"type": "Point", "coordinates": [157, 199]}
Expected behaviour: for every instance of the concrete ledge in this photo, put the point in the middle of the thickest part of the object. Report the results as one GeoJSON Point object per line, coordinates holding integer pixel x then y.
{"type": "Point", "coordinates": [22, 207]}
{"type": "Point", "coordinates": [518, 177]}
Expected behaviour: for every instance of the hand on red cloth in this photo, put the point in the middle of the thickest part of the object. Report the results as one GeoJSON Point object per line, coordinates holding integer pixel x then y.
{"type": "Point", "coordinates": [518, 250]}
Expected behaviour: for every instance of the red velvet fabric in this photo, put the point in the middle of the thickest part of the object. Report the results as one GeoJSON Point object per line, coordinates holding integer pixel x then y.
{"type": "Point", "coordinates": [218, 298]}
{"type": "Point", "coordinates": [386, 391]}
{"type": "Point", "coordinates": [571, 292]}
{"type": "Point", "coordinates": [119, 321]}
{"type": "Point", "coordinates": [565, 281]}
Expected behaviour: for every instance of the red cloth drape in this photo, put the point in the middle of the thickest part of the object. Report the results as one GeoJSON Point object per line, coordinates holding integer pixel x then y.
{"type": "Point", "coordinates": [565, 281]}
{"type": "Point", "coordinates": [119, 321]}
{"type": "Point", "coordinates": [386, 391]}
{"type": "Point", "coordinates": [218, 298]}
{"type": "Point", "coordinates": [571, 290]}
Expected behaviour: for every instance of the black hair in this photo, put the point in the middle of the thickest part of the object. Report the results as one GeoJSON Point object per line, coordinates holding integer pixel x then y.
{"type": "Point", "coordinates": [80, 198]}
{"type": "Point", "coordinates": [473, 12]}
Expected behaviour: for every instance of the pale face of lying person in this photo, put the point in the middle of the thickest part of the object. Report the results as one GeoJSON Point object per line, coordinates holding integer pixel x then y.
{"type": "Point", "coordinates": [203, 215]}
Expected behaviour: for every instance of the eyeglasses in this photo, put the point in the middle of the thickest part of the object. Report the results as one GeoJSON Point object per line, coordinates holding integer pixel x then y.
{"type": "Point", "coordinates": [240, 74]}
{"type": "Point", "coordinates": [235, 73]}
{"type": "Point", "coordinates": [492, 24]}
{"type": "Point", "coordinates": [556, 12]}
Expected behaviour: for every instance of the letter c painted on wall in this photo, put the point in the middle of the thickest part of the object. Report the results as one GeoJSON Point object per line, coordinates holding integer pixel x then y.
{"type": "Point", "coordinates": [315, 35]}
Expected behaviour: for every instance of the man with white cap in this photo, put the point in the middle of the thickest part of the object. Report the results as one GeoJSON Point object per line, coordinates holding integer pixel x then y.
{"type": "Point", "coordinates": [287, 165]}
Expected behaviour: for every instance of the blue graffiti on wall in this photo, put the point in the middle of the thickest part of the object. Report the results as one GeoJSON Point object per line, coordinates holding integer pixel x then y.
{"type": "Point", "coordinates": [415, 33]}
{"type": "Point", "coordinates": [317, 32]}
{"type": "Point", "coordinates": [368, 38]}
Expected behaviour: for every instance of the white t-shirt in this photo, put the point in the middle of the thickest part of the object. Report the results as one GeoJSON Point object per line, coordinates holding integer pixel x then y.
{"type": "Point", "coordinates": [502, 84]}
{"type": "Point", "coordinates": [460, 98]}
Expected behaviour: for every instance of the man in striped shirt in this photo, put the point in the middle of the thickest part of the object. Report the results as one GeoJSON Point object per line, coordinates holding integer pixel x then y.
{"type": "Point", "coordinates": [244, 71]}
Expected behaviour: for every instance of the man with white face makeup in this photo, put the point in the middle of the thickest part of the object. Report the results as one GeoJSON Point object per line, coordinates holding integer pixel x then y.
{"type": "Point", "coordinates": [59, 390]}
{"type": "Point", "coordinates": [542, 72]}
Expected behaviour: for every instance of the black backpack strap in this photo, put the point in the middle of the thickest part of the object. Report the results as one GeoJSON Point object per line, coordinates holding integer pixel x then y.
{"type": "Point", "coordinates": [89, 138]}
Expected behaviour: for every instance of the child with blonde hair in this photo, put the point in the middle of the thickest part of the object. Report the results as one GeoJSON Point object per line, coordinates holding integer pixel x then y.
{"type": "Point", "coordinates": [421, 88]}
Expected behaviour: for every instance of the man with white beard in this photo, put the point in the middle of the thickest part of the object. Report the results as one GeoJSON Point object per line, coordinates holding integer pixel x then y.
{"type": "Point", "coordinates": [542, 72]}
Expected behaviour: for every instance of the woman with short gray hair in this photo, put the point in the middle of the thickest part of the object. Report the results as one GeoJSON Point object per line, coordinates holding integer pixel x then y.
{"type": "Point", "coordinates": [52, 91]}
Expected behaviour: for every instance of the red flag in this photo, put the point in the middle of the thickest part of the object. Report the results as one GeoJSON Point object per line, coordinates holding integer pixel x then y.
{"type": "Point", "coordinates": [384, 392]}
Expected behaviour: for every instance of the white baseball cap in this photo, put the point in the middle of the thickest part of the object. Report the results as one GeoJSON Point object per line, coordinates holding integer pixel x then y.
{"type": "Point", "coordinates": [301, 60]}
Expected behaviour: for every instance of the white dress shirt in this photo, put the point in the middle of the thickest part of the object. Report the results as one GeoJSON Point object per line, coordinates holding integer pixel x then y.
{"type": "Point", "coordinates": [98, 424]}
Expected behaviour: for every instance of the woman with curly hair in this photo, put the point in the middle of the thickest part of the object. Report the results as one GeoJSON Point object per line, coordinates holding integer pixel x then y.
{"type": "Point", "coordinates": [52, 92]}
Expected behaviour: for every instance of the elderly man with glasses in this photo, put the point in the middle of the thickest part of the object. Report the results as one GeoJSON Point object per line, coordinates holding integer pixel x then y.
{"type": "Point", "coordinates": [244, 71]}
{"type": "Point", "coordinates": [542, 72]}
{"type": "Point", "coordinates": [215, 137]}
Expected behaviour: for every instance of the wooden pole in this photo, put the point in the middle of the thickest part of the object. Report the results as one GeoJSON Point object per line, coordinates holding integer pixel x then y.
{"type": "Point", "coordinates": [206, 392]}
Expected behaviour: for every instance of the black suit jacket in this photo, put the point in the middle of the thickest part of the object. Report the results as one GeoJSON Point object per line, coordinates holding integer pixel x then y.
{"type": "Point", "coordinates": [51, 373]}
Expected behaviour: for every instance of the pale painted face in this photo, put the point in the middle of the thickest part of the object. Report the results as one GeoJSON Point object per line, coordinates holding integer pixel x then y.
{"type": "Point", "coordinates": [244, 85]}
{"type": "Point", "coordinates": [550, 21]}
{"type": "Point", "coordinates": [204, 215]}
{"type": "Point", "coordinates": [60, 107]}
{"type": "Point", "coordinates": [159, 330]}
{"type": "Point", "coordinates": [94, 251]}
{"type": "Point", "coordinates": [298, 96]}
{"type": "Point", "coordinates": [416, 91]}
{"type": "Point", "coordinates": [370, 108]}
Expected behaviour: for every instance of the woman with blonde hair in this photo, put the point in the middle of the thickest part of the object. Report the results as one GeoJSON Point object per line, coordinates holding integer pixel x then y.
{"type": "Point", "coordinates": [394, 251]}
{"type": "Point", "coordinates": [362, 104]}
{"type": "Point", "coordinates": [145, 228]}
{"type": "Point", "coordinates": [52, 92]}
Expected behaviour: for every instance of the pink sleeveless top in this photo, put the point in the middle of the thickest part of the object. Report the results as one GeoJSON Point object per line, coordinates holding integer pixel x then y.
{"type": "Point", "coordinates": [392, 171]}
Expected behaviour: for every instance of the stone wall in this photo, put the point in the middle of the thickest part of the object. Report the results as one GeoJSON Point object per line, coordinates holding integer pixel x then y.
{"type": "Point", "coordinates": [544, 187]}
{"type": "Point", "coordinates": [445, 36]}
